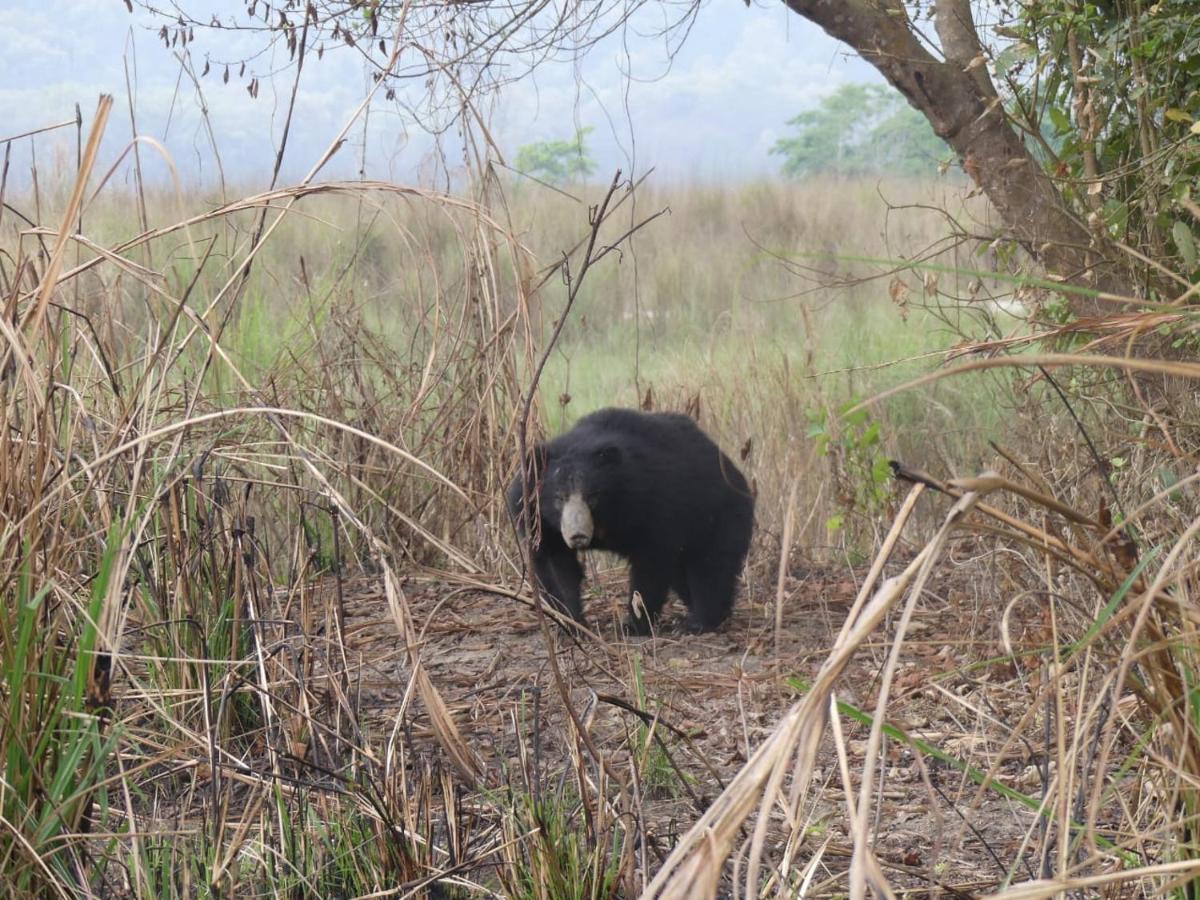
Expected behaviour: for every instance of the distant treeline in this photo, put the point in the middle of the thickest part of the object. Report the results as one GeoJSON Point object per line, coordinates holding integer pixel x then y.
{"type": "Point", "coordinates": [861, 129]}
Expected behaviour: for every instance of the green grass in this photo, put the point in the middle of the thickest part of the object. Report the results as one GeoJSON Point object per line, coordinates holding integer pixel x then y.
{"type": "Point", "coordinates": [760, 375]}
{"type": "Point", "coordinates": [56, 736]}
{"type": "Point", "coordinates": [755, 301]}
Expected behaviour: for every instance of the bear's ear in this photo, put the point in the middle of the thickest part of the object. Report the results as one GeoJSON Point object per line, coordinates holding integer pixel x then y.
{"type": "Point", "coordinates": [608, 455]}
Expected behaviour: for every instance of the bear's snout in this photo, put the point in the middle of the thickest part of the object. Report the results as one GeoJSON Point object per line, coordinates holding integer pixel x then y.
{"type": "Point", "coordinates": [576, 523]}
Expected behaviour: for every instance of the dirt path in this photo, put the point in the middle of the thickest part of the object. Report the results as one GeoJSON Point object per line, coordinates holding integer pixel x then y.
{"type": "Point", "coordinates": [726, 691]}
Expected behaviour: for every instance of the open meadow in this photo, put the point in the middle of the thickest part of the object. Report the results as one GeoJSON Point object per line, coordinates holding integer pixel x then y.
{"type": "Point", "coordinates": [266, 629]}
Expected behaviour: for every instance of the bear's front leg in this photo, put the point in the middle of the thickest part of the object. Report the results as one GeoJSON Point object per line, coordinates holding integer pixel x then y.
{"type": "Point", "coordinates": [712, 584]}
{"type": "Point", "coordinates": [560, 574]}
{"type": "Point", "coordinates": [649, 579]}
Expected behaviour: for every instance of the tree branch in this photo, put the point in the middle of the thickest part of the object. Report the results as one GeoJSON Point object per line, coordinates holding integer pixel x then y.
{"type": "Point", "coordinates": [973, 122]}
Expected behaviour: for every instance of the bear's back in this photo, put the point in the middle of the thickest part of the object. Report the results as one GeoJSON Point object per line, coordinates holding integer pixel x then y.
{"type": "Point", "coordinates": [672, 445]}
{"type": "Point", "coordinates": [655, 427]}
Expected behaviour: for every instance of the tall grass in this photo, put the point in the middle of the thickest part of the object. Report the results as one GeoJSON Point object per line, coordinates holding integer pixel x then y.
{"type": "Point", "coordinates": [771, 328]}
{"type": "Point", "coordinates": [195, 431]}
{"type": "Point", "coordinates": [206, 439]}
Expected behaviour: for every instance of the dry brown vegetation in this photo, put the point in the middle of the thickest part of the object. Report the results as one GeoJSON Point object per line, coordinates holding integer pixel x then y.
{"type": "Point", "coordinates": [265, 630]}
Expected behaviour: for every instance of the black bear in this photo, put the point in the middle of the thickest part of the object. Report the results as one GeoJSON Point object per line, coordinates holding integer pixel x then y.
{"type": "Point", "coordinates": [653, 488]}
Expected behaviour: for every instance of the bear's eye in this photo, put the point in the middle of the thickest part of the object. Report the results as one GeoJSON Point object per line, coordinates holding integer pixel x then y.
{"type": "Point", "coordinates": [609, 455]}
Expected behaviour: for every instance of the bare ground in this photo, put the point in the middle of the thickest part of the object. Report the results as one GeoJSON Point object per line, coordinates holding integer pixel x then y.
{"type": "Point", "coordinates": [719, 696]}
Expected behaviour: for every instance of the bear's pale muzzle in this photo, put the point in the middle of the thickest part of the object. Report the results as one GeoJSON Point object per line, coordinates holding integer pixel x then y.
{"type": "Point", "coordinates": [576, 523]}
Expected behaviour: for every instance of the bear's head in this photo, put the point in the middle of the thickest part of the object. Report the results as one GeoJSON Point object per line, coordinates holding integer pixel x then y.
{"type": "Point", "coordinates": [578, 487]}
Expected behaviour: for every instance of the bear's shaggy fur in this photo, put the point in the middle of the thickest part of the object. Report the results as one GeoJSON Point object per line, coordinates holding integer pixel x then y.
{"type": "Point", "coordinates": [653, 488]}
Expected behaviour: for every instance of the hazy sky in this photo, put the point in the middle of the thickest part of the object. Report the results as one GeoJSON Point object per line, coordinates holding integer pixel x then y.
{"type": "Point", "coordinates": [712, 112]}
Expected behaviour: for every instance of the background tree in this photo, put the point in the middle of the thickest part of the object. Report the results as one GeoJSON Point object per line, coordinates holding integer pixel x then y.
{"type": "Point", "coordinates": [557, 162]}
{"type": "Point", "coordinates": [1058, 59]}
{"type": "Point", "coordinates": [860, 129]}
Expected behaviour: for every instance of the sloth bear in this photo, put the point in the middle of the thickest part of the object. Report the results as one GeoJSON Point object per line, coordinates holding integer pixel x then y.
{"type": "Point", "coordinates": [652, 488]}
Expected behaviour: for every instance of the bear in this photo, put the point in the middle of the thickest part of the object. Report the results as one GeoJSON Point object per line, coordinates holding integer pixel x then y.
{"type": "Point", "coordinates": [652, 488]}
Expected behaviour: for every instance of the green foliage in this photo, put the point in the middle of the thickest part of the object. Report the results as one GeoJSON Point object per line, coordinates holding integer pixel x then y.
{"type": "Point", "coordinates": [852, 442]}
{"type": "Point", "coordinates": [558, 855]}
{"type": "Point", "coordinates": [53, 734]}
{"type": "Point", "coordinates": [659, 775]}
{"type": "Point", "coordinates": [557, 162]}
{"type": "Point", "coordinates": [860, 129]}
{"type": "Point", "coordinates": [1133, 108]}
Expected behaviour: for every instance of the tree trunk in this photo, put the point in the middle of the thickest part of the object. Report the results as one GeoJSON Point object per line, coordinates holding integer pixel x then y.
{"type": "Point", "coordinates": [962, 106]}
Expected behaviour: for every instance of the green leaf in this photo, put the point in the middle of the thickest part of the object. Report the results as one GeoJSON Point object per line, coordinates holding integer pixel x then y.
{"type": "Point", "coordinates": [1011, 56]}
{"type": "Point", "coordinates": [1060, 120]}
{"type": "Point", "coordinates": [1169, 479]}
{"type": "Point", "coordinates": [1185, 242]}
{"type": "Point", "coordinates": [881, 470]}
{"type": "Point", "coordinates": [1116, 214]}
{"type": "Point", "coordinates": [1109, 608]}
{"type": "Point", "coordinates": [856, 418]}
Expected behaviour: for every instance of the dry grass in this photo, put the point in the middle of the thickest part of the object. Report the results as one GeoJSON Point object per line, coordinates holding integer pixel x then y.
{"type": "Point", "coordinates": [264, 629]}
